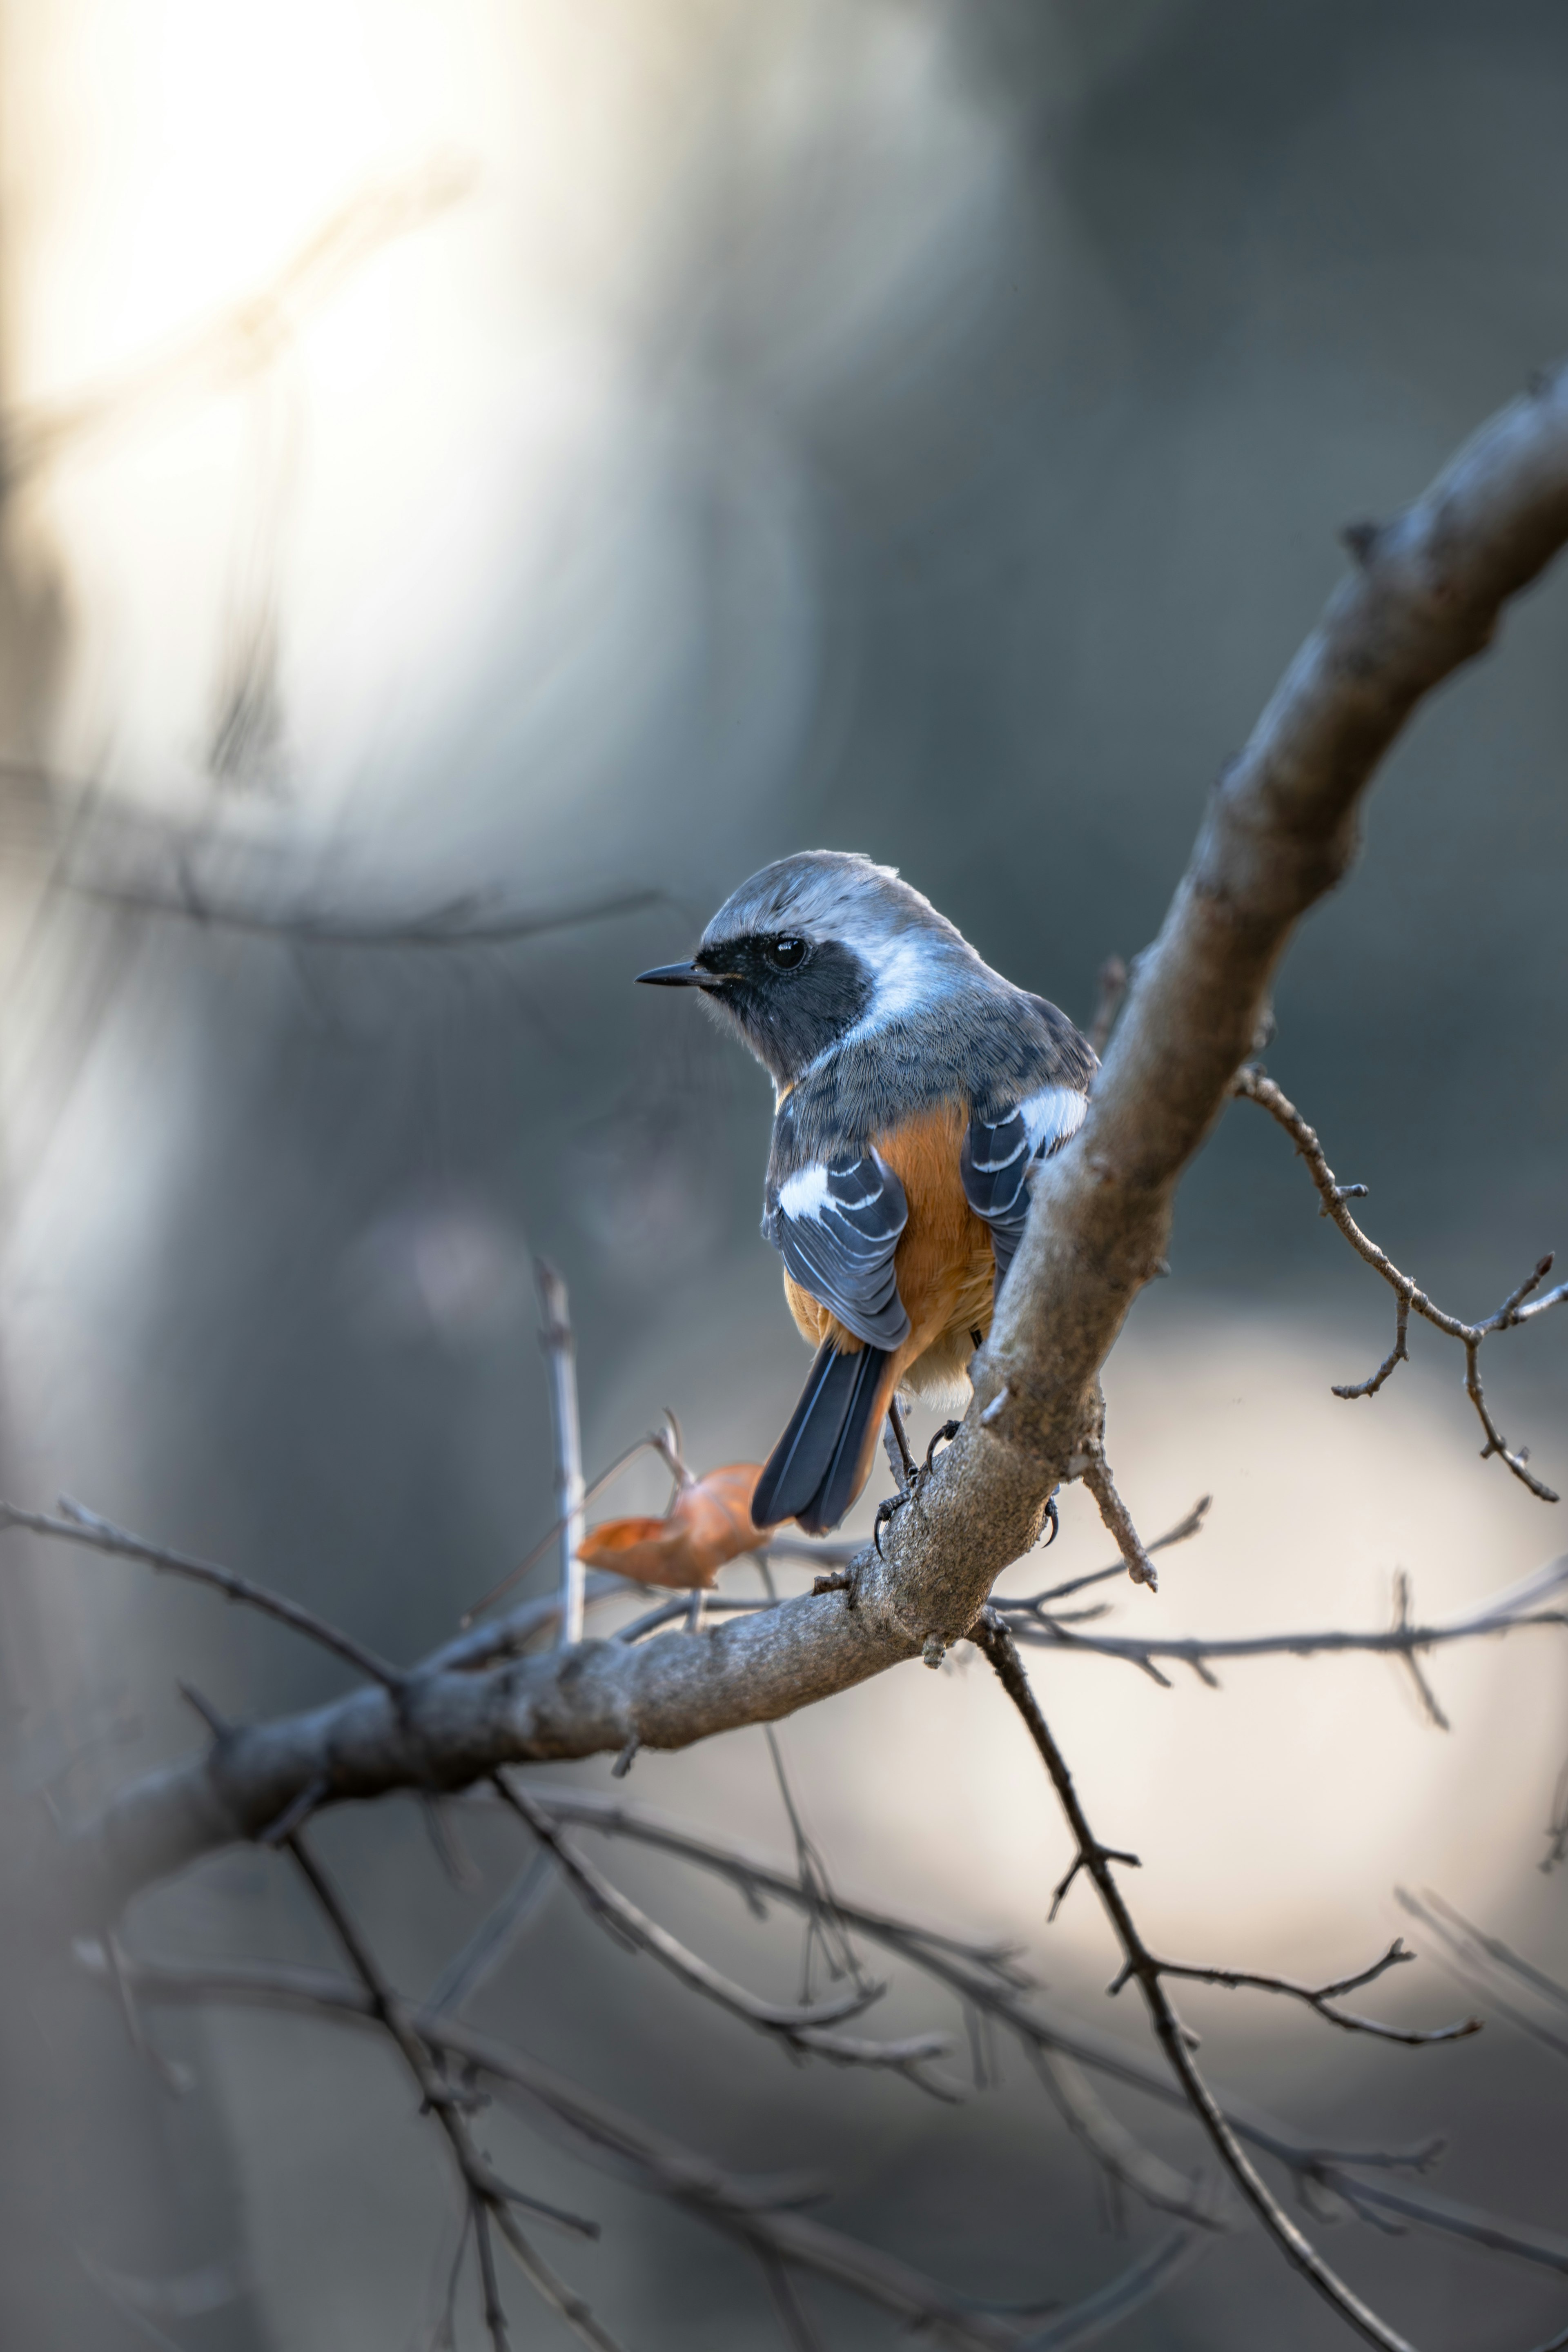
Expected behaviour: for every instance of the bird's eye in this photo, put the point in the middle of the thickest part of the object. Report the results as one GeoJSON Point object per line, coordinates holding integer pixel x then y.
{"type": "Point", "coordinates": [787, 953]}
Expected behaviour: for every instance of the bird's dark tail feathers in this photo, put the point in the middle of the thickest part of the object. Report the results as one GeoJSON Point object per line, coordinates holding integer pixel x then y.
{"type": "Point", "coordinates": [822, 1460]}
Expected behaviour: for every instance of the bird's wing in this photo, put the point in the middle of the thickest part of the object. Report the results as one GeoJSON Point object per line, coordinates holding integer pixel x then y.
{"type": "Point", "coordinates": [998, 1158]}
{"type": "Point", "coordinates": [836, 1227]}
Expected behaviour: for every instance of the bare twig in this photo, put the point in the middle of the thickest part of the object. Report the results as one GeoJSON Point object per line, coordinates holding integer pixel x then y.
{"type": "Point", "coordinates": [1118, 1518]}
{"type": "Point", "coordinates": [1181, 1533]}
{"type": "Point", "coordinates": [80, 1525]}
{"type": "Point", "coordinates": [561, 1353]}
{"type": "Point", "coordinates": [824, 1928]}
{"type": "Point", "coordinates": [803, 2027]}
{"type": "Point", "coordinates": [1557, 1827]}
{"type": "Point", "coordinates": [1253, 1086]}
{"type": "Point", "coordinates": [988, 1978]}
{"type": "Point", "coordinates": [1322, 1999]}
{"type": "Point", "coordinates": [460, 922]}
{"type": "Point", "coordinates": [1424, 1691]}
{"type": "Point", "coordinates": [1509, 1612]}
{"type": "Point", "coordinates": [795, 2318]}
{"type": "Point", "coordinates": [758, 2212]}
{"type": "Point", "coordinates": [494, 1937]}
{"type": "Point", "coordinates": [490, 2198]}
{"type": "Point", "coordinates": [992, 1637]}
{"type": "Point", "coordinates": [510, 1636]}
{"type": "Point", "coordinates": [1117, 2300]}
{"type": "Point", "coordinates": [1485, 1964]}
{"type": "Point", "coordinates": [659, 1442]}
{"type": "Point", "coordinates": [246, 336]}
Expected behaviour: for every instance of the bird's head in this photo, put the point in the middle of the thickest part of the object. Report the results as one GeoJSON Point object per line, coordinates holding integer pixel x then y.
{"type": "Point", "coordinates": [817, 947]}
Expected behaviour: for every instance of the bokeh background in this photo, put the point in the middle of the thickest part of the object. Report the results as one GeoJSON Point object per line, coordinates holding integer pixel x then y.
{"type": "Point", "coordinates": [482, 461]}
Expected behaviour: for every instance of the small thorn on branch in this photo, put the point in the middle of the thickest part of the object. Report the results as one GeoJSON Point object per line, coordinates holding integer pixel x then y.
{"type": "Point", "coordinates": [295, 1814]}
{"type": "Point", "coordinates": [218, 1725]}
{"type": "Point", "coordinates": [1098, 1852]}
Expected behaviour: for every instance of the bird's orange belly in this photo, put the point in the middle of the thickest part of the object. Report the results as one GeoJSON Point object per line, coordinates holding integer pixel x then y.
{"type": "Point", "coordinates": [944, 1262]}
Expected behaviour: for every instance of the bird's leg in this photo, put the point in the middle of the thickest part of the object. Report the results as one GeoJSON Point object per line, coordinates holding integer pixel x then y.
{"type": "Point", "coordinates": [902, 1461]}
{"type": "Point", "coordinates": [910, 1474]}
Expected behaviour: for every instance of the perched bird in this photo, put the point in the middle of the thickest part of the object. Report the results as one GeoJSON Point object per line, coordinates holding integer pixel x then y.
{"type": "Point", "coordinates": [916, 1091]}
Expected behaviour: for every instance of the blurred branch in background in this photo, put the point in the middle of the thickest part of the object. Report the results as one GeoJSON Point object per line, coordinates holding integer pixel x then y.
{"type": "Point", "coordinates": [247, 336]}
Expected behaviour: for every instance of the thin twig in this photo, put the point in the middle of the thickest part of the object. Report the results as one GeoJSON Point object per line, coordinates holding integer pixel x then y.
{"type": "Point", "coordinates": [1509, 1612]}
{"type": "Point", "coordinates": [988, 1977]}
{"type": "Point", "coordinates": [561, 1356]}
{"type": "Point", "coordinates": [823, 1924]}
{"type": "Point", "coordinates": [80, 1525]}
{"type": "Point", "coordinates": [991, 1636]}
{"type": "Point", "coordinates": [1253, 1086]}
{"type": "Point", "coordinates": [796, 2317]}
{"type": "Point", "coordinates": [460, 923]}
{"type": "Point", "coordinates": [491, 2197]}
{"type": "Point", "coordinates": [760, 2212]}
{"type": "Point", "coordinates": [1557, 1827]}
{"type": "Point", "coordinates": [1118, 1518]}
{"type": "Point", "coordinates": [1485, 1962]}
{"type": "Point", "coordinates": [801, 2026]}
{"type": "Point", "coordinates": [657, 1443]}
{"type": "Point", "coordinates": [1319, 1998]}
{"type": "Point", "coordinates": [1180, 1533]}
{"type": "Point", "coordinates": [494, 1937]}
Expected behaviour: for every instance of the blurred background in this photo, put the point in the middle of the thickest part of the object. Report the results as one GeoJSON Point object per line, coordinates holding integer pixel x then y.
{"type": "Point", "coordinates": [475, 464]}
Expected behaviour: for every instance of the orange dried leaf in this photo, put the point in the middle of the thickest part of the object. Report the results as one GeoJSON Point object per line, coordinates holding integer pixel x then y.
{"type": "Point", "coordinates": [709, 1522]}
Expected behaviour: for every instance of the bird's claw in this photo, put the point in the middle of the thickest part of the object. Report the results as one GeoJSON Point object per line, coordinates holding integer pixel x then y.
{"type": "Point", "coordinates": [943, 1436]}
{"type": "Point", "coordinates": [891, 1505]}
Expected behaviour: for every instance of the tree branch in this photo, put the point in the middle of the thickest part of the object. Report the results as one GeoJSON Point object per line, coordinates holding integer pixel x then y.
{"type": "Point", "coordinates": [1506, 1612]}
{"type": "Point", "coordinates": [1140, 1964]}
{"type": "Point", "coordinates": [1253, 1086]}
{"type": "Point", "coordinates": [80, 1525]}
{"type": "Point", "coordinates": [758, 2212]}
{"type": "Point", "coordinates": [987, 1978]}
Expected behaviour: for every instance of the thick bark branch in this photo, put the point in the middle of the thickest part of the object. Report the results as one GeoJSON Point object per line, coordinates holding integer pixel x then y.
{"type": "Point", "coordinates": [1426, 596]}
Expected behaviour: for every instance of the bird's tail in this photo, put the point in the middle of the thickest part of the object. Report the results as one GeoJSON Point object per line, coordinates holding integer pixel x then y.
{"type": "Point", "coordinates": [824, 1459]}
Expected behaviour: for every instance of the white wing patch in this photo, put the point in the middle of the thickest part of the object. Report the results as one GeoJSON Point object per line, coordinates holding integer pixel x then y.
{"type": "Point", "coordinates": [805, 1194]}
{"type": "Point", "coordinates": [1050, 1117]}
{"type": "Point", "coordinates": [837, 1230]}
{"type": "Point", "coordinates": [999, 1156]}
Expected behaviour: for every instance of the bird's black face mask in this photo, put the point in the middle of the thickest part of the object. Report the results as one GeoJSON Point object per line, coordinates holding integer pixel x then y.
{"type": "Point", "coordinates": [790, 997]}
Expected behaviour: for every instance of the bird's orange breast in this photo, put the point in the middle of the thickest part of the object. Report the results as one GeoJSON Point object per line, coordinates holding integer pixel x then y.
{"type": "Point", "coordinates": [944, 1262]}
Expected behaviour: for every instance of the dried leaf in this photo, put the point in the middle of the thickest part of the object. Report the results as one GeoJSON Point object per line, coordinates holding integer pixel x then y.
{"type": "Point", "coordinates": [709, 1522]}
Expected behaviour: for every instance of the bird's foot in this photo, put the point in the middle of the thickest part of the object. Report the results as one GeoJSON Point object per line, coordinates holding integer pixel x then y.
{"type": "Point", "coordinates": [891, 1505]}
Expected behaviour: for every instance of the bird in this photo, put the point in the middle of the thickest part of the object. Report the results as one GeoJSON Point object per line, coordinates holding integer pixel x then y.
{"type": "Point", "coordinates": [916, 1091]}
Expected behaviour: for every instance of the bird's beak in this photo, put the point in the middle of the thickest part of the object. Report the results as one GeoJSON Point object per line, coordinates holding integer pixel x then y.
{"type": "Point", "coordinates": [682, 975]}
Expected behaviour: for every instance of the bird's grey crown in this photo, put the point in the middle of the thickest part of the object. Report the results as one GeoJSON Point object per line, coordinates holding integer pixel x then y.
{"type": "Point", "coordinates": [829, 894]}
